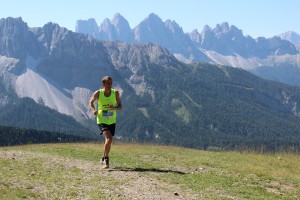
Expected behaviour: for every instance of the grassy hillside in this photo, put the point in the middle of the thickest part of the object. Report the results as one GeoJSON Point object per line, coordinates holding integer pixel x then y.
{"type": "Point", "coordinates": [72, 171]}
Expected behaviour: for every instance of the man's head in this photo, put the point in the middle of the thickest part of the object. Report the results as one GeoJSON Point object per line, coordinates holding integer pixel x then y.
{"type": "Point", "coordinates": [107, 82]}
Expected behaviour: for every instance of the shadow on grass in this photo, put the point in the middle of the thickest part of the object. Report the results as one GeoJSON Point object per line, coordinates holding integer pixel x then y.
{"type": "Point", "coordinates": [138, 169]}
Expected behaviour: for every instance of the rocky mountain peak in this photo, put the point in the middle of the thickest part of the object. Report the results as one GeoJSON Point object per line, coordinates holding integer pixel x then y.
{"type": "Point", "coordinates": [173, 26]}
{"type": "Point", "coordinates": [8, 22]}
{"type": "Point", "coordinates": [291, 36]}
{"type": "Point", "coordinates": [151, 29]}
{"type": "Point", "coordinates": [153, 18]}
{"type": "Point", "coordinates": [16, 39]}
{"type": "Point", "coordinates": [224, 30]}
{"type": "Point", "coordinates": [206, 28]}
{"type": "Point", "coordinates": [122, 29]}
{"type": "Point", "coordinates": [207, 36]}
{"type": "Point", "coordinates": [206, 31]}
{"type": "Point", "coordinates": [195, 36]}
{"type": "Point", "coordinates": [221, 28]}
{"type": "Point", "coordinates": [106, 25]}
{"type": "Point", "coordinates": [50, 35]}
{"type": "Point", "coordinates": [107, 30]}
{"type": "Point", "coordinates": [281, 47]}
{"type": "Point", "coordinates": [53, 27]}
{"type": "Point", "coordinates": [119, 21]}
{"type": "Point", "coordinates": [87, 26]}
{"type": "Point", "coordinates": [152, 23]}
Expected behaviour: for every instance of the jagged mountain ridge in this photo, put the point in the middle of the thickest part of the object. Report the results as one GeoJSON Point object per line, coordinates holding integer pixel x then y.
{"type": "Point", "coordinates": [223, 44]}
{"type": "Point", "coordinates": [223, 39]}
{"type": "Point", "coordinates": [162, 97]}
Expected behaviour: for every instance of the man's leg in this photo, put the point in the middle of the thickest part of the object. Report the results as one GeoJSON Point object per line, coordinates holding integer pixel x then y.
{"type": "Point", "coordinates": [107, 144]}
{"type": "Point", "coordinates": [106, 150]}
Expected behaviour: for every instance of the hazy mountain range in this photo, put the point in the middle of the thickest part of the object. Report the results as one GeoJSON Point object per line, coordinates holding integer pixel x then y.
{"type": "Point", "coordinates": [165, 100]}
{"type": "Point", "coordinates": [275, 58]}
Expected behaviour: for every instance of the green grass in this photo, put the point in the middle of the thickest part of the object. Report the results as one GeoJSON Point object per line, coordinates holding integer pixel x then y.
{"type": "Point", "coordinates": [70, 171]}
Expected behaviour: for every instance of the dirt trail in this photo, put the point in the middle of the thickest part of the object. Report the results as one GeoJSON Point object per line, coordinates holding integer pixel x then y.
{"type": "Point", "coordinates": [131, 183]}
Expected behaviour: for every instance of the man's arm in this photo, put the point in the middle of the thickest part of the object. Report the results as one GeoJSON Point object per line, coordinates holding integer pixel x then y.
{"type": "Point", "coordinates": [92, 102]}
{"type": "Point", "coordinates": [119, 107]}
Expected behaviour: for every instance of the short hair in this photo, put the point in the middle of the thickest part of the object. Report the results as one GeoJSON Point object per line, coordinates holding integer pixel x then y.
{"type": "Point", "coordinates": [106, 78]}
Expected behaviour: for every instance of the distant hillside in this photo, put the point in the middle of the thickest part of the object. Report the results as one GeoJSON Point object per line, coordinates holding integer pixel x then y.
{"type": "Point", "coordinates": [212, 106]}
{"type": "Point", "coordinates": [25, 113]}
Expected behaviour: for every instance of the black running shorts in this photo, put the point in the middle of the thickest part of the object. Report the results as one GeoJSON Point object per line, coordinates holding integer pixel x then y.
{"type": "Point", "coordinates": [105, 127]}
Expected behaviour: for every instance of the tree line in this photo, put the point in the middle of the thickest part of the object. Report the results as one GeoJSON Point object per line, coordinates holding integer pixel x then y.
{"type": "Point", "coordinates": [19, 136]}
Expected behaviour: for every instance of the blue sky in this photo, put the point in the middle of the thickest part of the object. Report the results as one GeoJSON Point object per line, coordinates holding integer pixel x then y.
{"type": "Point", "coordinates": [255, 17]}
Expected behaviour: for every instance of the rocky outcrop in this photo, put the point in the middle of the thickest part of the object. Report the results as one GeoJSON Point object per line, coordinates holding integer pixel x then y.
{"type": "Point", "coordinates": [17, 41]}
{"type": "Point", "coordinates": [291, 36]}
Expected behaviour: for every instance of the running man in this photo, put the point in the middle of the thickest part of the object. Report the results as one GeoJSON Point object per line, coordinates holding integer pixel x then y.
{"type": "Point", "coordinates": [108, 102]}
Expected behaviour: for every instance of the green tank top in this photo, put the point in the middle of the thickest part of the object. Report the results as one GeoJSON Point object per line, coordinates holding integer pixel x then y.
{"type": "Point", "coordinates": [106, 116]}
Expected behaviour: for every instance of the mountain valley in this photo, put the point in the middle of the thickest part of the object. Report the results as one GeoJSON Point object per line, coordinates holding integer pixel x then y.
{"type": "Point", "coordinates": [166, 101]}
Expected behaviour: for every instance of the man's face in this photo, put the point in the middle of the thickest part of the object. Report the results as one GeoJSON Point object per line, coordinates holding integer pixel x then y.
{"type": "Point", "coordinates": [107, 85]}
